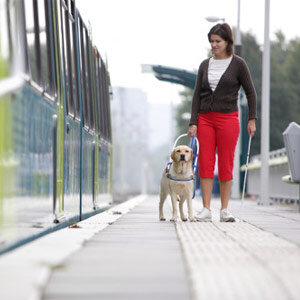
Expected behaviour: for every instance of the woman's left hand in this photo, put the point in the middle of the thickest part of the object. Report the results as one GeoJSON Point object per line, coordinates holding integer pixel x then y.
{"type": "Point", "coordinates": [251, 127]}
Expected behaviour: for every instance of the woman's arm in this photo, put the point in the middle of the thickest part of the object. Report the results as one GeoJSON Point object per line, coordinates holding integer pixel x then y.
{"type": "Point", "coordinates": [196, 99]}
{"type": "Point", "coordinates": [248, 86]}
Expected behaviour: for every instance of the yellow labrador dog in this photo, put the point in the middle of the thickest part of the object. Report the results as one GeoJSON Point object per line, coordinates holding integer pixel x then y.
{"type": "Point", "coordinates": [177, 181]}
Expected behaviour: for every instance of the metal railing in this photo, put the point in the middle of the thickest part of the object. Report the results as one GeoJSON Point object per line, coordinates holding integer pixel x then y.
{"type": "Point", "coordinates": [279, 191]}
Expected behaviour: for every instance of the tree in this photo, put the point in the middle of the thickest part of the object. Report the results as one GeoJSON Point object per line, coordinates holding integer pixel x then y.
{"type": "Point", "coordinates": [253, 56]}
{"type": "Point", "coordinates": [292, 77]}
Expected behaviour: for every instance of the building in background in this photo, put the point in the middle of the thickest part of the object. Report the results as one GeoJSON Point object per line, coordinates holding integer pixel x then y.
{"type": "Point", "coordinates": [142, 139]}
{"type": "Point", "coordinates": [161, 139]}
{"type": "Point", "coordinates": [130, 139]}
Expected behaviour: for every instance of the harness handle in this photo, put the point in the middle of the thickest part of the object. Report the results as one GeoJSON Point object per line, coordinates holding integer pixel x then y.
{"type": "Point", "coordinates": [195, 155]}
{"type": "Point", "coordinates": [194, 164]}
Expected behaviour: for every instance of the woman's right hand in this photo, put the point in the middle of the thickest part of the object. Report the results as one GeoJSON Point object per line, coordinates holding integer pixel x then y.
{"type": "Point", "coordinates": [192, 130]}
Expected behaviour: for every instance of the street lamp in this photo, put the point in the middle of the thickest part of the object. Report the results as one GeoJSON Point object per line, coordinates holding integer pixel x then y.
{"type": "Point", "coordinates": [235, 191]}
{"type": "Point", "coordinates": [186, 116]}
{"type": "Point", "coordinates": [214, 19]}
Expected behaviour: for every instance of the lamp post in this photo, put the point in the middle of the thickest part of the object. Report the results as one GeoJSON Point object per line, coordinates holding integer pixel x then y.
{"type": "Point", "coordinates": [238, 42]}
{"type": "Point", "coordinates": [235, 190]}
{"type": "Point", "coordinates": [265, 112]}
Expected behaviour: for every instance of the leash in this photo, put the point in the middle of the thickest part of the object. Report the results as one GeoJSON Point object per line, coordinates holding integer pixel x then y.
{"type": "Point", "coordinates": [194, 143]}
{"type": "Point", "coordinates": [195, 155]}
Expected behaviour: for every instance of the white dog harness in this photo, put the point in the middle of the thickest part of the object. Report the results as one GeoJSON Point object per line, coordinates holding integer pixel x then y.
{"type": "Point", "coordinates": [194, 164]}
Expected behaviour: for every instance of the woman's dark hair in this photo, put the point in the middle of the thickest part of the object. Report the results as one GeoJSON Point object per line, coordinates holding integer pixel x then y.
{"type": "Point", "coordinates": [225, 32]}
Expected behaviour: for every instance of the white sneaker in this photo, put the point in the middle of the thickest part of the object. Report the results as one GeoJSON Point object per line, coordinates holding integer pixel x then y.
{"type": "Point", "coordinates": [204, 215]}
{"type": "Point", "coordinates": [226, 216]}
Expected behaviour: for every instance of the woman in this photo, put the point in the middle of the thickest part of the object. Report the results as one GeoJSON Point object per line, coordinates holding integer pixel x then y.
{"type": "Point", "coordinates": [214, 116]}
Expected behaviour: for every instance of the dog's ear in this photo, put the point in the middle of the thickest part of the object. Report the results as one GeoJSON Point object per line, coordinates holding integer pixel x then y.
{"type": "Point", "coordinates": [173, 155]}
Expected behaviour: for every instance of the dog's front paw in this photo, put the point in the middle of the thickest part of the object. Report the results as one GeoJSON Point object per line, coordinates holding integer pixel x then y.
{"type": "Point", "coordinates": [162, 219]}
{"type": "Point", "coordinates": [193, 219]}
{"type": "Point", "coordinates": [173, 219]}
{"type": "Point", "coordinates": [184, 219]}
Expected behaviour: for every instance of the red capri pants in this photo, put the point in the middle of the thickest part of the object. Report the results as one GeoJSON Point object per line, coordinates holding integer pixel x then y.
{"type": "Point", "coordinates": [217, 131]}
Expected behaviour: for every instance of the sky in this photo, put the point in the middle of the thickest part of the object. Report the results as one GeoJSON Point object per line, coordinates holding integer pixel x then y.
{"type": "Point", "coordinates": [173, 33]}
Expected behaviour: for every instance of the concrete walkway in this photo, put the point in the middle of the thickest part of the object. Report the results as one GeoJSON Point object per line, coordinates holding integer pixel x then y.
{"type": "Point", "coordinates": [126, 253]}
{"type": "Point", "coordinates": [135, 258]}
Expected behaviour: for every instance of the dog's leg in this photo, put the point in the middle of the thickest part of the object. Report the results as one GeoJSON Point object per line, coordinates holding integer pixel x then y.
{"type": "Point", "coordinates": [163, 197]}
{"type": "Point", "coordinates": [182, 215]}
{"type": "Point", "coordinates": [174, 206]}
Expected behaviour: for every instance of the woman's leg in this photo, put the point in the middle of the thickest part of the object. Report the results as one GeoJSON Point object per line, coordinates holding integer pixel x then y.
{"type": "Point", "coordinates": [206, 188]}
{"type": "Point", "coordinates": [227, 133]}
{"type": "Point", "coordinates": [207, 155]}
{"type": "Point", "coordinates": [225, 187]}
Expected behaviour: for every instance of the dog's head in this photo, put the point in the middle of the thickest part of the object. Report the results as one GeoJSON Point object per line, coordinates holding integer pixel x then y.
{"type": "Point", "coordinates": [182, 153]}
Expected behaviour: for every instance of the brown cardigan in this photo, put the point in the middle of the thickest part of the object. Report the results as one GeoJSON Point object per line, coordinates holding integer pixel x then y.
{"type": "Point", "coordinates": [224, 97]}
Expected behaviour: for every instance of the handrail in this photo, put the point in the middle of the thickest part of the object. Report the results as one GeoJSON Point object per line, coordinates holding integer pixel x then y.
{"type": "Point", "coordinates": [272, 154]}
{"type": "Point", "coordinates": [272, 162]}
{"type": "Point", "coordinates": [276, 157]}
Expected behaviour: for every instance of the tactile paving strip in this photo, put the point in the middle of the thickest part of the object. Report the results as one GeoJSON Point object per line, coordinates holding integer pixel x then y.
{"type": "Point", "coordinates": [239, 261]}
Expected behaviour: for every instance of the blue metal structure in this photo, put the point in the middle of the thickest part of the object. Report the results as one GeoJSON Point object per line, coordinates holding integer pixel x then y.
{"type": "Point", "coordinates": [174, 75]}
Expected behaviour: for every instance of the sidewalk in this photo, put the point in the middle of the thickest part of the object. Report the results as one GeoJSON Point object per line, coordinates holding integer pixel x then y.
{"type": "Point", "coordinates": [282, 220]}
{"type": "Point", "coordinates": [126, 253]}
{"type": "Point", "coordinates": [135, 258]}
{"type": "Point", "coordinates": [240, 260]}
